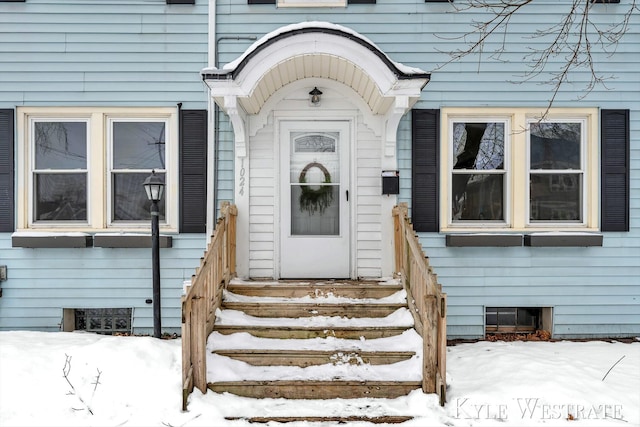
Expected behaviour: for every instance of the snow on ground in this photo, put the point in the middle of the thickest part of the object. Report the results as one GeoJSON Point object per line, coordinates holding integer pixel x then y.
{"type": "Point", "coordinates": [139, 384]}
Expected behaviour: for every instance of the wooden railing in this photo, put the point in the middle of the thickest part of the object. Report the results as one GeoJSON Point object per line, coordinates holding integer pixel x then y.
{"type": "Point", "coordinates": [202, 297]}
{"type": "Point", "coordinates": [427, 302]}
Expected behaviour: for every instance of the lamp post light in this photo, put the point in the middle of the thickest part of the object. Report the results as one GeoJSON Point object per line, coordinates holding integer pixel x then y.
{"type": "Point", "coordinates": [154, 186]}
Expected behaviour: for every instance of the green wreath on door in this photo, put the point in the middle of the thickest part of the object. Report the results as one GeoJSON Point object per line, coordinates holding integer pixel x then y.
{"type": "Point", "coordinates": [315, 200]}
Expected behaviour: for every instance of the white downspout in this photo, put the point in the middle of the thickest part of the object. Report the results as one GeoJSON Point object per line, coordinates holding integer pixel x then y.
{"type": "Point", "coordinates": [211, 110]}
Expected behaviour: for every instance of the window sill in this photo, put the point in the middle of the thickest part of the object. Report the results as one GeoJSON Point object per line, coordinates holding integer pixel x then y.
{"type": "Point", "coordinates": [543, 239]}
{"type": "Point", "coordinates": [484, 239]}
{"type": "Point", "coordinates": [51, 240]}
{"type": "Point", "coordinates": [563, 239]}
{"type": "Point", "coordinates": [34, 240]}
{"type": "Point", "coordinates": [129, 241]}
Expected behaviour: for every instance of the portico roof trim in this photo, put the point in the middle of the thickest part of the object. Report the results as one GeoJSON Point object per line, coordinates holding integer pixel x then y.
{"type": "Point", "coordinates": [231, 71]}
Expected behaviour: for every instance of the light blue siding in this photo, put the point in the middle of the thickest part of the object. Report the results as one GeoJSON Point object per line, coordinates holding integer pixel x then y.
{"type": "Point", "coordinates": [593, 291]}
{"type": "Point", "coordinates": [42, 282]}
{"type": "Point", "coordinates": [115, 53]}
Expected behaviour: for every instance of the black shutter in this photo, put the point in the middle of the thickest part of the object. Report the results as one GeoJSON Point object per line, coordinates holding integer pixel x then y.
{"type": "Point", "coordinates": [425, 128]}
{"type": "Point", "coordinates": [193, 171]}
{"type": "Point", "coordinates": [7, 200]}
{"type": "Point", "coordinates": [614, 178]}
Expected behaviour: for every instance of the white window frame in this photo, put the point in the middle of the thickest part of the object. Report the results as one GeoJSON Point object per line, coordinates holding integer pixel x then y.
{"type": "Point", "coordinates": [582, 171]}
{"type": "Point", "coordinates": [33, 170]}
{"type": "Point", "coordinates": [98, 165]}
{"type": "Point", "coordinates": [505, 173]}
{"type": "Point", "coordinates": [517, 167]}
{"type": "Point", "coordinates": [111, 119]}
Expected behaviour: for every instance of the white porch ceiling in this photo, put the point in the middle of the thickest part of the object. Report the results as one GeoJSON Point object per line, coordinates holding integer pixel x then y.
{"type": "Point", "coordinates": [316, 66]}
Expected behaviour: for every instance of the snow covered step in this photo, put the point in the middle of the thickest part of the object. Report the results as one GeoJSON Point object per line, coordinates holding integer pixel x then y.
{"type": "Point", "coordinates": [298, 332]}
{"type": "Point", "coordinates": [304, 389]}
{"type": "Point", "coordinates": [409, 340]}
{"type": "Point", "coordinates": [315, 289]}
{"type": "Point", "coordinates": [399, 318]}
{"type": "Point", "coordinates": [385, 419]}
{"type": "Point", "coordinates": [243, 357]}
{"type": "Point", "coordinates": [314, 340]}
{"type": "Point", "coordinates": [232, 321]}
{"type": "Point", "coordinates": [288, 309]}
{"type": "Point", "coordinates": [304, 358]}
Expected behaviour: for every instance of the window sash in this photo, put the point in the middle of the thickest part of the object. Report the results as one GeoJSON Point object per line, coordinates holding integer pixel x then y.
{"type": "Point", "coordinates": [138, 207]}
{"type": "Point", "coordinates": [487, 214]}
{"type": "Point", "coordinates": [74, 205]}
{"type": "Point", "coordinates": [551, 193]}
{"type": "Point", "coordinates": [58, 198]}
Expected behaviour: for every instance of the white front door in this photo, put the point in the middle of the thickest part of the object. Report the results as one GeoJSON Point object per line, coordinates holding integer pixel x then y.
{"type": "Point", "coordinates": [314, 199]}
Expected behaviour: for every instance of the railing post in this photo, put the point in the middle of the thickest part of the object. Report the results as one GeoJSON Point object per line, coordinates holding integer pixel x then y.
{"type": "Point", "coordinates": [198, 343]}
{"type": "Point", "coordinates": [224, 214]}
{"type": "Point", "coordinates": [442, 349]}
{"type": "Point", "coordinates": [426, 300]}
{"type": "Point", "coordinates": [231, 234]}
{"type": "Point", "coordinates": [430, 340]}
{"type": "Point", "coordinates": [202, 297]}
{"type": "Point", "coordinates": [397, 237]}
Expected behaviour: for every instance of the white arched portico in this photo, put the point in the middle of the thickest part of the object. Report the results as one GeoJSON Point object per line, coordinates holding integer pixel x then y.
{"type": "Point", "coordinates": [340, 227]}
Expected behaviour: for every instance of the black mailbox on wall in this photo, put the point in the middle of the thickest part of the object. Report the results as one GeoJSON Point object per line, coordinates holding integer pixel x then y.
{"type": "Point", "coordinates": [390, 182]}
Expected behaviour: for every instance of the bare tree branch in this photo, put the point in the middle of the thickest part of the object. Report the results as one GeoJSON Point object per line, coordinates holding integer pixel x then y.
{"type": "Point", "coordinates": [66, 370]}
{"type": "Point", "coordinates": [573, 40]}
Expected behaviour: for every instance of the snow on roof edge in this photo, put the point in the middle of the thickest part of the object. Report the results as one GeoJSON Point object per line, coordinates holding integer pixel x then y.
{"type": "Point", "coordinates": [229, 67]}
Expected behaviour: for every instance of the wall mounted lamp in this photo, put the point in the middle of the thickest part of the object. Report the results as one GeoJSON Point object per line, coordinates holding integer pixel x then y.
{"type": "Point", "coordinates": [315, 97]}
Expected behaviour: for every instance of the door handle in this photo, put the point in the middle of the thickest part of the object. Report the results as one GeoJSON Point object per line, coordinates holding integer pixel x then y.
{"type": "Point", "coordinates": [347, 195]}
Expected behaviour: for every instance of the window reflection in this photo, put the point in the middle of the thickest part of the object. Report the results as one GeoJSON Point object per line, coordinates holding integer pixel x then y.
{"type": "Point", "coordinates": [478, 171]}
{"type": "Point", "coordinates": [60, 178]}
{"type": "Point", "coordinates": [138, 148]}
{"type": "Point", "coordinates": [555, 180]}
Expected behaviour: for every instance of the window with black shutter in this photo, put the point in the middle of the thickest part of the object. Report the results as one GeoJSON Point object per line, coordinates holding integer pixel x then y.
{"type": "Point", "coordinates": [494, 170]}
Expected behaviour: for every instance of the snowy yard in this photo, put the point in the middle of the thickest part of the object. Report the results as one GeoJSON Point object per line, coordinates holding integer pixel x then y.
{"type": "Point", "coordinates": [139, 384]}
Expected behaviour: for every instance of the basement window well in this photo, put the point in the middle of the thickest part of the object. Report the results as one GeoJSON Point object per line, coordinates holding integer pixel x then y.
{"type": "Point", "coordinates": [106, 321]}
{"type": "Point", "coordinates": [517, 319]}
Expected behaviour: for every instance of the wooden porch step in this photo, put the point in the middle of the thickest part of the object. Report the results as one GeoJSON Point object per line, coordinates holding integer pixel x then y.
{"type": "Point", "coordinates": [294, 332]}
{"type": "Point", "coordinates": [316, 389]}
{"type": "Point", "coordinates": [304, 358]}
{"type": "Point", "coordinates": [385, 419]}
{"type": "Point", "coordinates": [287, 309]}
{"type": "Point", "coordinates": [315, 289]}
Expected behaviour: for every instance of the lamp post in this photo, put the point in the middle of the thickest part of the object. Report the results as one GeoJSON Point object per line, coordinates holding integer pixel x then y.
{"type": "Point", "coordinates": [154, 186]}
